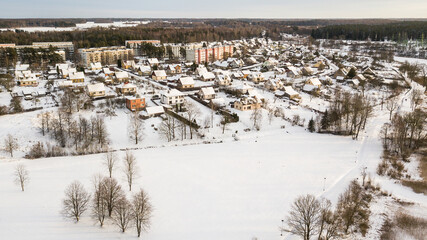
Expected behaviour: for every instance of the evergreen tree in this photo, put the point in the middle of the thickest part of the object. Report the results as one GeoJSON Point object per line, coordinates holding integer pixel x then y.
{"type": "Point", "coordinates": [311, 126]}
{"type": "Point", "coordinates": [324, 122]}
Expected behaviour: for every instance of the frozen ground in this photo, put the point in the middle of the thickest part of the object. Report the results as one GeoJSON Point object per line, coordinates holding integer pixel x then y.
{"type": "Point", "coordinates": [233, 190]}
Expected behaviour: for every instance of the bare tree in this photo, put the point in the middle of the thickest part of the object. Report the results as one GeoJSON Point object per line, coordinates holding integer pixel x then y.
{"type": "Point", "coordinates": [224, 121]}
{"type": "Point", "coordinates": [21, 176]}
{"type": "Point", "coordinates": [271, 111]}
{"type": "Point", "coordinates": [416, 98]}
{"type": "Point", "coordinates": [10, 144]}
{"type": "Point", "coordinates": [192, 113]}
{"type": "Point", "coordinates": [135, 127]}
{"type": "Point", "coordinates": [391, 105]}
{"type": "Point", "coordinates": [99, 201]}
{"type": "Point", "coordinates": [113, 192]}
{"type": "Point", "coordinates": [256, 118]}
{"type": "Point", "coordinates": [76, 201]}
{"type": "Point", "coordinates": [142, 210]}
{"type": "Point", "coordinates": [304, 214]}
{"type": "Point", "coordinates": [110, 162]}
{"type": "Point", "coordinates": [130, 169]}
{"type": "Point", "coordinates": [122, 214]}
{"type": "Point", "coordinates": [167, 128]}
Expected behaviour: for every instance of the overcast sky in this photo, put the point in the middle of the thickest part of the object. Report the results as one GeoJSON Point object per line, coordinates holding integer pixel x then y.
{"type": "Point", "coordinates": [214, 9]}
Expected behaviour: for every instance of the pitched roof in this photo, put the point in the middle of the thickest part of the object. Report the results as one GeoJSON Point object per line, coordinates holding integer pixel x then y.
{"type": "Point", "coordinates": [186, 80]}
{"type": "Point", "coordinates": [208, 91]}
{"type": "Point", "coordinates": [97, 87]}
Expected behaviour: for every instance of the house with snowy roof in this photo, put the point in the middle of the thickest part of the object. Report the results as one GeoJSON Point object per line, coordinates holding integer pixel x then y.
{"type": "Point", "coordinates": [126, 89]}
{"type": "Point", "coordinates": [185, 82]}
{"type": "Point", "coordinates": [159, 75]}
{"type": "Point", "coordinates": [207, 93]}
{"type": "Point", "coordinates": [77, 77]}
{"type": "Point", "coordinates": [96, 90]}
{"type": "Point", "coordinates": [172, 97]}
{"type": "Point", "coordinates": [208, 76]}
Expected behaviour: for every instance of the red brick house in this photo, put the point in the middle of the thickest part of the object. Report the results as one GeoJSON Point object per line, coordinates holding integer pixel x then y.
{"type": "Point", "coordinates": [135, 104]}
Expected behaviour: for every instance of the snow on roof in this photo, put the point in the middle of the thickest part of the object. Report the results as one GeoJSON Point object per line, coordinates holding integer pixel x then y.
{"type": "Point", "coordinates": [153, 61]}
{"type": "Point", "coordinates": [208, 75]}
{"type": "Point", "coordinates": [309, 88]}
{"type": "Point", "coordinates": [155, 110]}
{"type": "Point", "coordinates": [107, 71]}
{"type": "Point", "coordinates": [290, 91]}
{"type": "Point", "coordinates": [315, 81]}
{"type": "Point", "coordinates": [61, 66]}
{"type": "Point", "coordinates": [218, 101]}
{"type": "Point", "coordinates": [144, 68]}
{"type": "Point", "coordinates": [97, 87]}
{"type": "Point", "coordinates": [208, 91]}
{"type": "Point", "coordinates": [173, 93]}
{"type": "Point", "coordinates": [77, 75]}
{"type": "Point", "coordinates": [22, 67]}
{"type": "Point", "coordinates": [160, 73]}
{"type": "Point", "coordinates": [186, 80]}
{"type": "Point", "coordinates": [121, 75]}
{"type": "Point", "coordinates": [96, 65]}
{"type": "Point", "coordinates": [127, 85]}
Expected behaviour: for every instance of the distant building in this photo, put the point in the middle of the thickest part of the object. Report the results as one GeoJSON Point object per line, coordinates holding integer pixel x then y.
{"type": "Point", "coordinates": [209, 54]}
{"type": "Point", "coordinates": [104, 55]}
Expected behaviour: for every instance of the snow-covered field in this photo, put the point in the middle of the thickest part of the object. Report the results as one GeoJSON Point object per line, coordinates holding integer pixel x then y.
{"type": "Point", "coordinates": [233, 190]}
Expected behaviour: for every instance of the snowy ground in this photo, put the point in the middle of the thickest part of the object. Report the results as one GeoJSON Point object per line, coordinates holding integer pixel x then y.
{"type": "Point", "coordinates": [233, 190]}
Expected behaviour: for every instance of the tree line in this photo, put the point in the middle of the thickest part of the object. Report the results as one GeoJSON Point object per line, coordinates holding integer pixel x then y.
{"type": "Point", "coordinates": [397, 31]}
{"type": "Point", "coordinates": [347, 114]}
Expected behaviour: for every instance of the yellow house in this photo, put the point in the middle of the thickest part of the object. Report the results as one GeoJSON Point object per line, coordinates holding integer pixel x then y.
{"type": "Point", "coordinates": [77, 77]}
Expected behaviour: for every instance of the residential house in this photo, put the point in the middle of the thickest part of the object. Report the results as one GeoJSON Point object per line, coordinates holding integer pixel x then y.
{"type": "Point", "coordinates": [186, 82]}
{"type": "Point", "coordinates": [95, 66]}
{"type": "Point", "coordinates": [158, 75]}
{"type": "Point", "coordinates": [144, 70]}
{"type": "Point", "coordinates": [256, 77]}
{"type": "Point", "coordinates": [172, 97]}
{"type": "Point", "coordinates": [247, 103]}
{"type": "Point", "coordinates": [121, 76]}
{"type": "Point", "coordinates": [290, 93]}
{"type": "Point", "coordinates": [96, 90]}
{"type": "Point", "coordinates": [342, 72]}
{"type": "Point", "coordinates": [273, 84]}
{"type": "Point", "coordinates": [126, 89]}
{"type": "Point", "coordinates": [77, 77]}
{"type": "Point", "coordinates": [307, 71]}
{"type": "Point", "coordinates": [293, 72]}
{"type": "Point", "coordinates": [153, 62]}
{"type": "Point", "coordinates": [155, 111]}
{"type": "Point", "coordinates": [30, 81]}
{"type": "Point", "coordinates": [208, 76]}
{"type": "Point", "coordinates": [223, 80]}
{"type": "Point", "coordinates": [128, 64]}
{"type": "Point", "coordinates": [134, 103]}
{"type": "Point", "coordinates": [207, 93]}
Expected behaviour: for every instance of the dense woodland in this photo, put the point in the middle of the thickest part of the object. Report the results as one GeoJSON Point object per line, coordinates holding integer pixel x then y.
{"type": "Point", "coordinates": [397, 31]}
{"type": "Point", "coordinates": [99, 37]}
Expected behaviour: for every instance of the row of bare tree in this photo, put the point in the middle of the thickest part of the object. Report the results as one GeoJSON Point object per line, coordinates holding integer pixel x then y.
{"type": "Point", "coordinates": [311, 217]}
{"type": "Point", "coordinates": [80, 133]}
{"type": "Point", "coordinates": [171, 128]}
{"type": "Point", "coordinates": [108, 200]}
{"type": "Point", "coordinates": [405, 133]}
{"type": "Point", "coordinates": [347, 114]}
